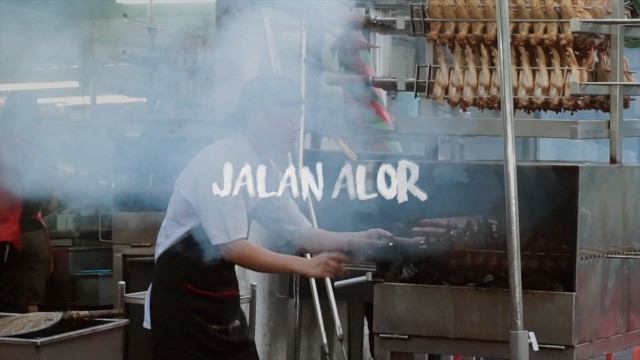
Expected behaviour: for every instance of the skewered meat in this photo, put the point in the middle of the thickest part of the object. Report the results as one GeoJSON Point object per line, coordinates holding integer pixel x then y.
{"type": "Point", "coordinates": [484, 81]}
{"type": "Point", "coordinates": [628, 75]}
{"type": "Point", "coordinates": [496, 79]}
{"type": "Point", "coordinates": [522, 13]}
{"type": "Point", "coordinates": [512, 15]}
{"type": "Point", "coordinates": [456, 80]}
{"type": "Point", "coordinates": [567, 11]}
{"type": "Point", "coordinates": [537, 12]}
{"type": "Point", "coordinates": [470, 79]}
{"type": "Point", "coordinates": [557, 81]}
{"type": "Point", "coordinates": [603, 73]}
{"type": "Point", "coordinates": [514, 71]}
{"type": "Point", "coordinates": [458, 61]}
{"type": "Point", "coordinates": [476, 11]}
{"type": "Point", "coordinates": [525, 81]}
{"type": "Point", "coordinates": [582, 13]}
{"type": "Point", "coordinates": [603, 67]}
{"type": "Point", "coordinates": [541, 91]}
{"type": "Point", "coordinates": [462, 12]}
{"type": "Point", "coordinates": [435, 12]}
{"type": "Point", "coordinates": [581, 9]}
{"type": "Point", "coordinates": [598, 8]}
{"type": "Point", "coordinates": [442, 77]}
{"type": "Point", "coordinates": [438, 92]}
{"type": "Point", "coordinates": [585, 70]}
{"type": "Point", "coordinates": [568, 101]}
{"type": "Point", "coordinates": [492, 27]}
{"type": "Point", "coordinates": [551, 37]}
{"type": "Point", "coordinates": [453, 94]}
{"type": "Point", "coordinates": [449, 26]}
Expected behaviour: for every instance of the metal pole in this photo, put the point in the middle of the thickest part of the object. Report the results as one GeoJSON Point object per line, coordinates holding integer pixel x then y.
{"type": "Point", "coordinates": [519, 339]}
{"type": "Point", "coordinates": [253, 304]}
{"type": "Point", "coordinates": [122, 288]}
{"type": "Point", "coordinates": [297, 321]}
{"type": "Point", "coordinates": [312, 214]}
{"type": "Point", "coordinates": [312, 281]}
{"type": "Point", "coordinates": [617, 97]}
{"type": "Point", "coordinates": [297, 310]}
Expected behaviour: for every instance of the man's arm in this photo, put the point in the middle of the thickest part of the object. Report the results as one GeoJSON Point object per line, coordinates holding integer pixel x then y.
{"type": "Point", "coordinates": [253, 257]}
{"type": "Point", "coordinates": [318, 240]}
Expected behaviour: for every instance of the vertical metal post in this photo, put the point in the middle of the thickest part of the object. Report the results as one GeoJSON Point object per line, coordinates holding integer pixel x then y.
{"type": "Point", "coordinates": [297, 310]}
{"type": "Point", "coordinates": [312, 282]}
{"type": "Point", "coordinates": [253, 304]}
{"type": "Point", "coordinates": [312, 214]}
{"type": "Point", "coordinates": [518, 337]}
{"type": "Point", "coordinates": [122, 288]}
{"type": "Point", "coordinates": [617, 96]}
{"type": "Point", "coordinates": [297, 319]}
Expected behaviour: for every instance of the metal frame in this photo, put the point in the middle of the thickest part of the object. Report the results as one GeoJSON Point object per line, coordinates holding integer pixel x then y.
{"type": "Point", "coordinates": [393, 347]}
{"type": "Point", "coordinates": [615, 129]}
{"type": "Point", "coordinates": [519, 337]}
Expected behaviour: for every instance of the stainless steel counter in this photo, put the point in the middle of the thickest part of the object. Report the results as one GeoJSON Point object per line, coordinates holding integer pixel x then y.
{"type": "Point", "coordinates": [69, 340]}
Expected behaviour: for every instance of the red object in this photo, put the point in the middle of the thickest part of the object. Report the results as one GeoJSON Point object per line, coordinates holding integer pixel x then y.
{"type": "Point", "coordinates": [458, 357]}
{"type": "Point", "coordinates": [10, 212]}
{"type": "Point", "coordinates": [636, 353]}
{"type": "Point", "coordinates": [609, 356]}
{"type": "Point", "coordinates": [213, 294]}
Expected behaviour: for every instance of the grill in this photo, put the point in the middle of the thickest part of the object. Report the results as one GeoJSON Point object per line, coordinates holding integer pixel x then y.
{"type": "Point", "coordinates": [580, 238]}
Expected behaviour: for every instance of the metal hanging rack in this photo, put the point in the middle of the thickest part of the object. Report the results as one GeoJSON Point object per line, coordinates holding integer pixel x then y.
{"type": "Point", "coordinates": [509, 127]}
{"type": "Point", "coordinates": [616, 128]}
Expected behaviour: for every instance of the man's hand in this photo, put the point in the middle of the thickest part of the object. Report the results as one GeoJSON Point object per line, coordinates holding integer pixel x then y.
{"type": "Point", "coordinates": [376, 235]}
{"type": "Point", "coordinates": [365, 245]}
{"type": "Point", "coordinates": [327, 264]}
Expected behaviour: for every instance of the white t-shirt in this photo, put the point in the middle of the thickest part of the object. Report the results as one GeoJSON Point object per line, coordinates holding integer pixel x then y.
{"type": "Point", "coordinates": [227, 218]}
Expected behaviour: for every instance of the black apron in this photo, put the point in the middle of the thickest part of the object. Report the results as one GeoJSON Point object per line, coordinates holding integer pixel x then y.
{"type": "Point", "coordinates": [195, 307]}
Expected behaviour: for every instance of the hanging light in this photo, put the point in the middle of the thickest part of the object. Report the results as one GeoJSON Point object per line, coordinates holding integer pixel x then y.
{"type": "Point", "coordinates": [39, 85]}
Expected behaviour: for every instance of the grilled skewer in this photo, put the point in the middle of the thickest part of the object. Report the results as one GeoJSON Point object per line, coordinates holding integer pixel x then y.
{"type": "Point", "coordinates": [568, 101]}
{"type": "Point", "coordinates": [541, 91]}
{"type": "Point", "coordinates": [525, 81]}
{"type": "Point", "coordinates": [476, 11]}
{"type": "Point", "coordinates": [567, 11]}
{"type": "Point", "coordinates": [462, 13]}
{"type": "Point", "coordinates": [435, 12]}
{"type": "Point", "coordinates": [449, 26]}
{"type": "Point", "coordinates": [494, 91]}
{"type": "Point", "coordinates": [537, 13]}
{"type": "Point", "coordinates": [484, 80]}
{"type": "Point", "coordinates": [442, 77]}
{"type": "Point", "coordinates": [557, 81]}
{"type": "Point", "coordinates": [522, 13]}
{"type": "Point", "coordinates": [456, 80]}
{"type": "Point", "coordinates": [470, 79]}
{"type": "Point", "coordinates": [551, 37]}
{"type": "Point", "coordinates": [492, 27]}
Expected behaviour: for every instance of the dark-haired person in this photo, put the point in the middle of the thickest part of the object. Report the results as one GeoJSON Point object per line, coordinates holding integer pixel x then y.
{"type": "Point", "coordinates": [26, 179]}
{"type": "Point", "coordinates": [194, 299]}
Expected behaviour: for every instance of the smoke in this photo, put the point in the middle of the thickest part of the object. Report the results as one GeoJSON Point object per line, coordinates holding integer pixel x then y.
{"type": "Point", "coordinates": [145, 99]}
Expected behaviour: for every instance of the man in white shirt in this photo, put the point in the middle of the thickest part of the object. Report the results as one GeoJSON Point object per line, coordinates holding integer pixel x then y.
{"type": "Point", "coordinates": [193, 305]}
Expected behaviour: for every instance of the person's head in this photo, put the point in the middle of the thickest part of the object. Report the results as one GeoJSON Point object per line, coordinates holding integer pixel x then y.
{"type": "Point", "coordinates": [269, 110]}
